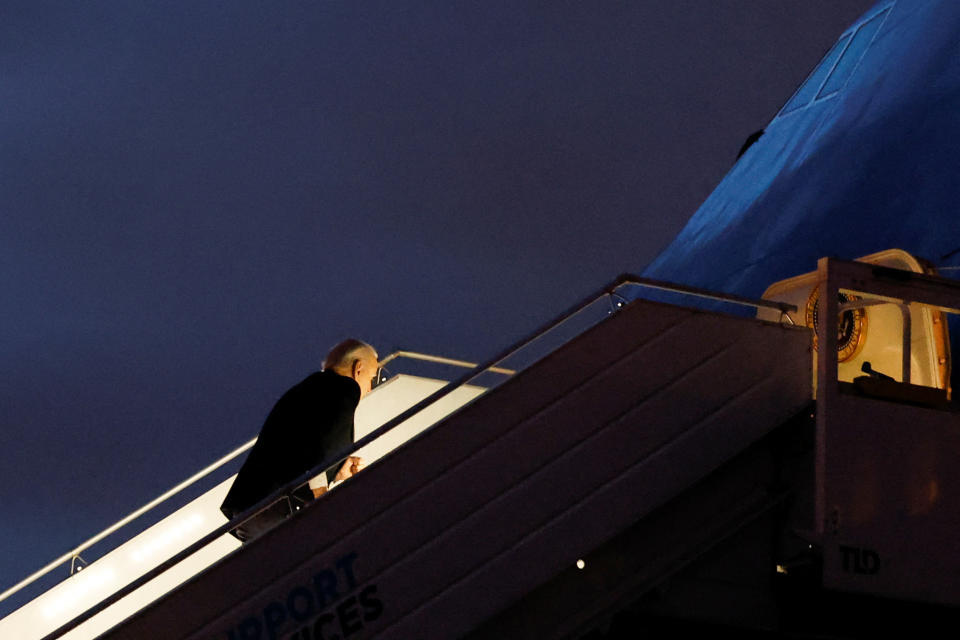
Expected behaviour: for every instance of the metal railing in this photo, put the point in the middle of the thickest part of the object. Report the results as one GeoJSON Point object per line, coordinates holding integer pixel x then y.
{"type": "Point", "coordinates": [697, 292]}
{"type": "Point", "coordinates": [77, 562]}
{"type": "Point", "coordinates": [610, 293]}
{"type": "Point", "coordinates": [73, 555]}
{"type": "Point", "coordinates": [413, 355]}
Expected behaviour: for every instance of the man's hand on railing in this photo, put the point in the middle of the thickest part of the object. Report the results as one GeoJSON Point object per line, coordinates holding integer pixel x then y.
{"type": "Point", "coordinates": [351, 466]}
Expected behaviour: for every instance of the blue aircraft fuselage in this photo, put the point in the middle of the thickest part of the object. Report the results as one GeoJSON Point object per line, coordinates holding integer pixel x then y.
{"type": "Point", "coordinates": [863, 157]}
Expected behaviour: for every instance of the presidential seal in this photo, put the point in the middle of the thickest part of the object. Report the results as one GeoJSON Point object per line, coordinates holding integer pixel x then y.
{"type": "Point", "coordinates": [851, 331]}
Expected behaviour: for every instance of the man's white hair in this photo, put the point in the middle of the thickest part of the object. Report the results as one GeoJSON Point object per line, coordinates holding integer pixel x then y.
{"type": "Point", "coordinates": [344, 353]}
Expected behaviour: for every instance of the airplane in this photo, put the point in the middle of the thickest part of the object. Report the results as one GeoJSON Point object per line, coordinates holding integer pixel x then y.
{"type": "Point", "coordinates": [755, 435]}
{"type": "Point", "coordinates": [854, 163]}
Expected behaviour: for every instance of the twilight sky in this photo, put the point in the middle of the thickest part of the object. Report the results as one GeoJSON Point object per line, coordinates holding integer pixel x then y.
{"type": "Point", "coordinates": [198, 199]}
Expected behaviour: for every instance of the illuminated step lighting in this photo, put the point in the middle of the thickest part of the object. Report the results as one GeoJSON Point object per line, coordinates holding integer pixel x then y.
{"type": "Point", "coordinates": [171, 537]}
{"type": "Point", "coordinates": [83, 586]}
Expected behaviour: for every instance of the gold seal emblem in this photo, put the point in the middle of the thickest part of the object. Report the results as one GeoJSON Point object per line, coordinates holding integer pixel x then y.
{"type": "Point", "coordinates": [851, 331]}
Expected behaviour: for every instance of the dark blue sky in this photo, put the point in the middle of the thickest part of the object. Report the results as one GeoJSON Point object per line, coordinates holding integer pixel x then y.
{"type": "Point", "coordinates": [198, 199]}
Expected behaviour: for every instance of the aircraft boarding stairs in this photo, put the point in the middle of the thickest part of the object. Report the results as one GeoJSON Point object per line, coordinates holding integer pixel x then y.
{"type": "Point", "coordinates": [540, 507]}
{"type": "Point", "coordinates": [515, 487]}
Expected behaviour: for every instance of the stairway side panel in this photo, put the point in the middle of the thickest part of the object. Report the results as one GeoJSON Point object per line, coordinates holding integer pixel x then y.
{"type": "Point", "coordinates": [620, 497]}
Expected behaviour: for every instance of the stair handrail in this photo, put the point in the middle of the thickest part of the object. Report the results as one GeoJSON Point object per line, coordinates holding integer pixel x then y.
{"type": "Point", "coordinates": [74, 554]}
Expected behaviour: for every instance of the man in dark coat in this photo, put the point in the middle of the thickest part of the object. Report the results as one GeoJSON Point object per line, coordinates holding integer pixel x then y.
{"type": "Point", "coordinates": [311, 421]}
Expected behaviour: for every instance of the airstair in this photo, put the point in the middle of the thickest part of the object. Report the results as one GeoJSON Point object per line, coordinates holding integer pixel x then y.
{"type": "Point", "coordinates": [535, 497]}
